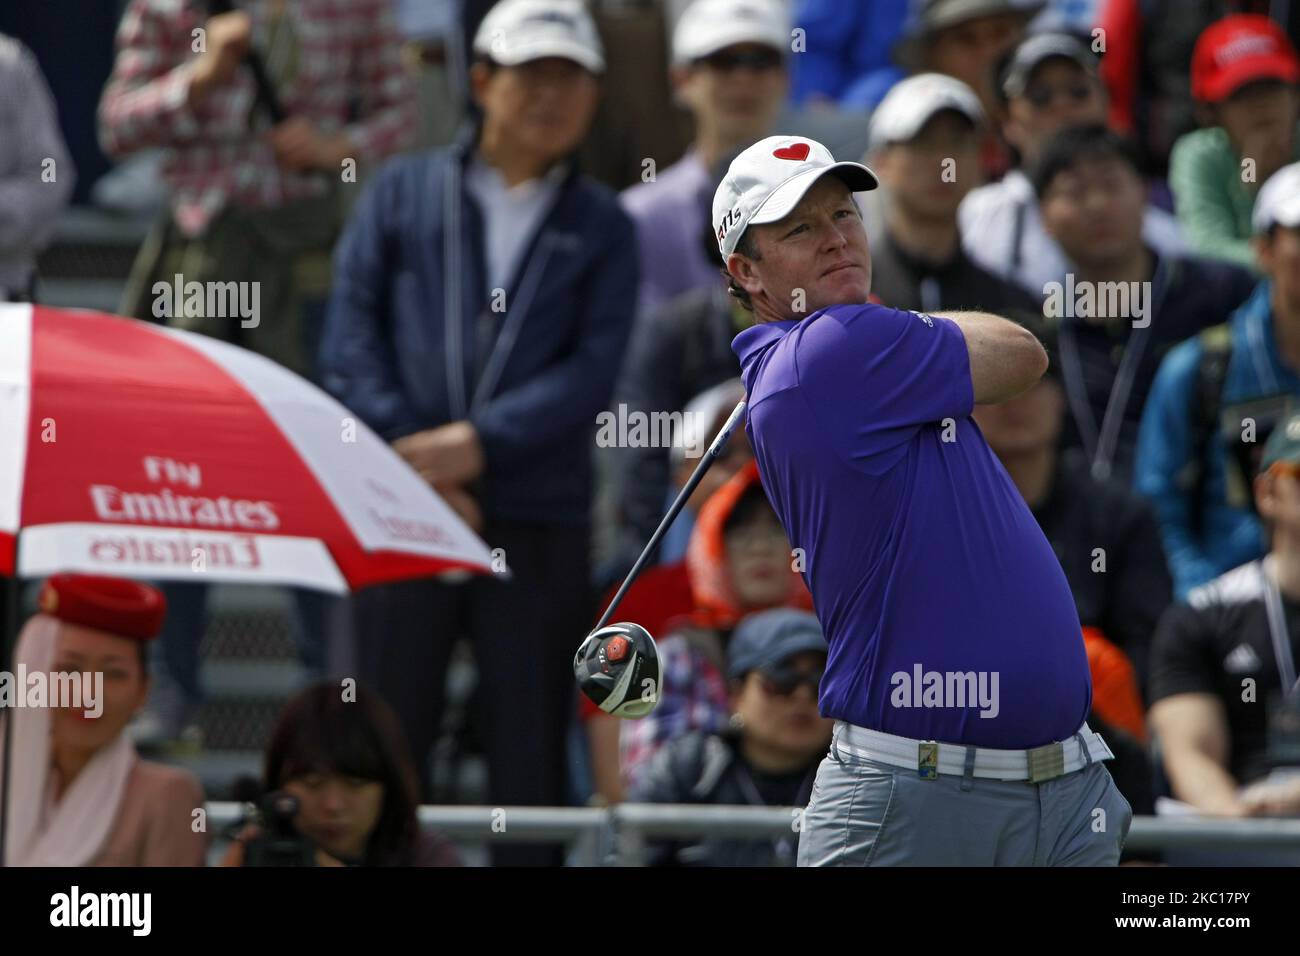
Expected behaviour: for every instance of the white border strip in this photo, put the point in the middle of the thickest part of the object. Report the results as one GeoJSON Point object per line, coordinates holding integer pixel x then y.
{"type": "Point", "coordinates": [132, 550]}
{"type": "Point", "coordinates": [15, 408]}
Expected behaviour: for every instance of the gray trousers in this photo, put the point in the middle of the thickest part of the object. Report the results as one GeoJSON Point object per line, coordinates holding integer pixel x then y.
{"type": "Point", "coordinates": [867, 813]}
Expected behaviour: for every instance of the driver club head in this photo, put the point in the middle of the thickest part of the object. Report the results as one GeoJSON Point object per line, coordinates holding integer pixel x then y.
{"type": "Point", "coordinates": [617, 667]}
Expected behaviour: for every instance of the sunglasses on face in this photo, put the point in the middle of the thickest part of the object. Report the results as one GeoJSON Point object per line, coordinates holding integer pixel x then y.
{"type": "Point", "coordinates": [784, 681]}
{"type": "Point", "coordinates": [1041, 95]}
{"type": "Point", "coordinates": [758, 60]}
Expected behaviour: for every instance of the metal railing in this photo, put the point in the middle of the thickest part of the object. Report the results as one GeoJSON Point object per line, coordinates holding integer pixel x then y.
{"type": "Point", "coordinates": [618, 835]}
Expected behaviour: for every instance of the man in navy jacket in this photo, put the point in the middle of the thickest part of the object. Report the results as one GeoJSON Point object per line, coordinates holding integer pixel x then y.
{"type": "Point", "coordinates": [482, 303]}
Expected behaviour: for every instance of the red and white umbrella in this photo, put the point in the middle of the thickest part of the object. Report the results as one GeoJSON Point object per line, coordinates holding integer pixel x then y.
{"type": "Point", "coordinates": [131, 449]}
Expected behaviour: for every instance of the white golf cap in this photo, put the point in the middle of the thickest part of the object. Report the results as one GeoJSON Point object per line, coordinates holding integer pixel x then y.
{"type": "Point", "coordinates": [766, 181]}
{"type": "Point", "coordinates": [517, 31]}
{"type": "Point", "coordinates": [1278, 202]}
{"type": "Point", "coordinates": [911, 103]}
{"type": "Point", "coordinates": [707, 26]}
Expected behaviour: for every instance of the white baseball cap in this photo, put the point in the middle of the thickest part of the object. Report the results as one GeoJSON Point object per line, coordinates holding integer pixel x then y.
{"type": "Point", "coordinates": [707, 26]}
{"type": "Point", "coordinates": [911, 103]}
{"type": "Point", "coordinates": [517, 31]}
{"type": "Point", "coordinates": [766, 181]}
{"type": "Point", "coordinates": [1278, 202]}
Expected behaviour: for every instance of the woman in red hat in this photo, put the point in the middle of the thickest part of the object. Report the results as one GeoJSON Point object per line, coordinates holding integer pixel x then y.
{"type": "Point", "coordinates": [78, 794]}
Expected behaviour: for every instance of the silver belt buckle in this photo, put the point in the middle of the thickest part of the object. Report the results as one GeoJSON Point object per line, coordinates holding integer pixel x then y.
{"type": "Point", "coordinates": [1046, 762]}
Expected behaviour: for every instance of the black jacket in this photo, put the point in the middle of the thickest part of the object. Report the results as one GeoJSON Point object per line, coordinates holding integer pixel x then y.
{"type": "Point", "coordinates": [676, 352]}
{"type": "Point", "coordinates": [902, 281]}
{"type": "Point", "coordinates": [1125, 600]}
{"type": "Point", "coordinates": [413, 338]}
{"type": "Point", "coordinates": [709, 769]}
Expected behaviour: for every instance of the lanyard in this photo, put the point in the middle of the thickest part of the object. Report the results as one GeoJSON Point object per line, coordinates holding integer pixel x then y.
{"type": "Point", "coordinates": [1099, 444]}
{"type": "Point", "coordinates": [783, 846]}
{"type": "Point", "coordinates": [1277, 630]}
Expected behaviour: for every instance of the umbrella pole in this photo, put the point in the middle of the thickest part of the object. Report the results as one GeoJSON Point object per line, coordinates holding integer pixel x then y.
{"type": "Point", "coordinates": [13, 591]}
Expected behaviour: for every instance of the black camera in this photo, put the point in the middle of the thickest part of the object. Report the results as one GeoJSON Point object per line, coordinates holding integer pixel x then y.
{"type": "Point", "coordinates": [278, 843]}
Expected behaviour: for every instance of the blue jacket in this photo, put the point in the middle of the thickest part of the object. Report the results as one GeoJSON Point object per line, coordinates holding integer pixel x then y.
{"type": "Point", "coordinates": [848, 54]}
{"type": "Point", "coordinates": [1231, 533]}
{"type": "Point", "coordinates": [531, 376]}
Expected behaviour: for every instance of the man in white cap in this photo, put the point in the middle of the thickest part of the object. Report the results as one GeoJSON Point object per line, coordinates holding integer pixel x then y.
{"type": "Point", "coordinates": [481, 308]}
{"type": "Point", "coordinates": [965, 39]}
{"type": "Point", "coordinates": [729, 70]}
{"type": "Point", "coordinates": [957, 675]}
{"type": "Point", "coordinates": [925, 148]}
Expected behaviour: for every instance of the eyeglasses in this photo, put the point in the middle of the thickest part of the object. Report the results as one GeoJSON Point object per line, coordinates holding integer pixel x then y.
{"type": "Point", "coordinates": [1041, 95]}
{"type": "Point", "coordinates": [758, 60]}
{"type": "Point", "coordinates": [784, 681]}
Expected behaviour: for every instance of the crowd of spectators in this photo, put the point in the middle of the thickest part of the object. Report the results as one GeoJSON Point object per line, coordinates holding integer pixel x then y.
{"type": "Point", "coordinates": [437, 249]}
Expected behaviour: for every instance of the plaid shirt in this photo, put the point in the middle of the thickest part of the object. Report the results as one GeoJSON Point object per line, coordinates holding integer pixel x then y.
{"type": "Point", "coordinates": [693, 696]}
{"type": "Point", "coordinates": [348, 67]}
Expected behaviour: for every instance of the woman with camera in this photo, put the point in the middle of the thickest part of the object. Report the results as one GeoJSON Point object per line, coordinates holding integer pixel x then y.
{"type": "Point", "coordinates": [342, 788]}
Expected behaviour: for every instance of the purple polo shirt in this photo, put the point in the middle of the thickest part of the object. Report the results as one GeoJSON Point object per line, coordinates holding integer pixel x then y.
{"type": "Point", "coordinates": [928, 572]}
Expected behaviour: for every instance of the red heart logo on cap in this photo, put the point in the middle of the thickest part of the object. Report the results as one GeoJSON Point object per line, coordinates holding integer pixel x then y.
{"type": "Point", "coordinates": [799, 151]}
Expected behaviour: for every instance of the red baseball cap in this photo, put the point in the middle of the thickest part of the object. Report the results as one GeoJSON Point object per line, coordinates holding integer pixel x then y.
{"type": "Point", "coordinates": [116, 605]}
{"type": "Point", "coordinates": [1237, 50]}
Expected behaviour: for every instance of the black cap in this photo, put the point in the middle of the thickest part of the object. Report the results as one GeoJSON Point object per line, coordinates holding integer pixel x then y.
{"type": "Point", "coordinates": [1040, 47]}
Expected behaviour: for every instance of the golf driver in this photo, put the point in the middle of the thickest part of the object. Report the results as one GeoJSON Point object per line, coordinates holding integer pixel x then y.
{"type": "Point", "coordinates": [617, 665]}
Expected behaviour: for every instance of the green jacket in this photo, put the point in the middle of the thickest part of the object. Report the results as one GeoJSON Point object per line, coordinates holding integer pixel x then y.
{"type": "Point", "coordinates": [1212, 202]}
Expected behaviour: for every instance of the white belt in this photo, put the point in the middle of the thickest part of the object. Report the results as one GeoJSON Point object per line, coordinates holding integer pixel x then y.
{"type": "Point", "coordinates": [929, 758]}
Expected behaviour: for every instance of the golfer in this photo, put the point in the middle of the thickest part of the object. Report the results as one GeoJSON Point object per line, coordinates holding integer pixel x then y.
{"type": "Point", "coordinates": [956, 676]}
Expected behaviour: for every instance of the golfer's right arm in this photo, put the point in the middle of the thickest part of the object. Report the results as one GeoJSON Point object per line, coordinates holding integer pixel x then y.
{"type": "Point", "coordinates": [1005, 358]}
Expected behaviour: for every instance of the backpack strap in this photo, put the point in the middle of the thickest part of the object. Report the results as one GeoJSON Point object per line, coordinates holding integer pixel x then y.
{"type": "Point", "coordinates": [1207, 396]}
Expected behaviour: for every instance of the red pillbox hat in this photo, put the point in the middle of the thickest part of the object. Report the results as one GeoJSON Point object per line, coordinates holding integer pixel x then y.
{"type": "Point", "coordinates": [116, 605]}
